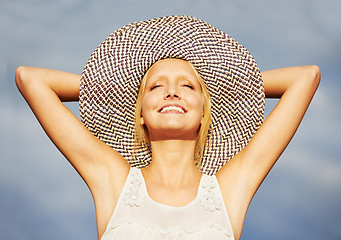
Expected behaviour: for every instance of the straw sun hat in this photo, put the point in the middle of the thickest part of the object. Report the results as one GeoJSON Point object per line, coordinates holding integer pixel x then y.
{"type": "Point", "coordinates": [110, 83]}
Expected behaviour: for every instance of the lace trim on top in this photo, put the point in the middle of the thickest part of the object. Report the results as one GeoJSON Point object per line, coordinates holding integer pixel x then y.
{"type": "Point", "coordinates": [209, 199]}
{"type": "Point", "coordinates": [134, 196]}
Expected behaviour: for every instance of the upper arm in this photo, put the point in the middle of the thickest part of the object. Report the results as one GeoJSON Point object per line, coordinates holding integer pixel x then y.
{"type": "Point", "coordinates": [243, 174]}
{"type": "Point", "coordinates": [44, 89]}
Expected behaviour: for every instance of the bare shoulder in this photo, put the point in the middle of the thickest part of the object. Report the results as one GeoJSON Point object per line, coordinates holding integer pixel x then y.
{"type": "Point", "coordinates": [113, 169]}
{"type": "Point", "coordinates": [234, 191]}
{"type": "Point", "coordinates": [107, 188]}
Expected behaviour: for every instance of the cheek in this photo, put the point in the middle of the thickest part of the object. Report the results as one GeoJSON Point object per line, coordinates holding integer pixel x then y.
{"type": "Point", "coordinates": [199, 102]}
{"type": "Point", "coordinates": [148, 103]}
{"type": "Point", "coordinates": [144, 104]}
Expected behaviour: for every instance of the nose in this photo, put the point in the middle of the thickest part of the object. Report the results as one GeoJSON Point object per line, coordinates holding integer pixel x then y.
{"type": "Point", "coordinates": [172, 93]}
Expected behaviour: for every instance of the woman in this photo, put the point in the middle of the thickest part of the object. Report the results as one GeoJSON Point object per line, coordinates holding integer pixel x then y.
{"type": "Point", "coordinates": [172, 111]}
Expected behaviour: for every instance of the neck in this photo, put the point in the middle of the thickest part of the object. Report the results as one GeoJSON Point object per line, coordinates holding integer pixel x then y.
{"type": "Point", "coordinates": [173, 161]}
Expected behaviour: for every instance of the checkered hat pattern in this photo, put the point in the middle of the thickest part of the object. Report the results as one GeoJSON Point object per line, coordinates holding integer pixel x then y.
{"type": "Point", "coordinates": [110, 83]}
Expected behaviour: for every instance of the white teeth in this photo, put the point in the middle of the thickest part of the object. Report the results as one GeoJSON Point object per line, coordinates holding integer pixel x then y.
{"type": "Point", "coordinates": [172, 108]}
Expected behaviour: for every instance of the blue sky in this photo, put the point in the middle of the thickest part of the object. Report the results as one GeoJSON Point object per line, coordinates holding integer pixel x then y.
{"type": "Point", "coordinates": [42, 197]}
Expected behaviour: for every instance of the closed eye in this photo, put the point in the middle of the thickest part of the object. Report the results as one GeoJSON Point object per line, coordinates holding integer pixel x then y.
{"type": "Point", "coordinates": [155, 86]}
{"type": "Point", "coordinates": [189, 86]}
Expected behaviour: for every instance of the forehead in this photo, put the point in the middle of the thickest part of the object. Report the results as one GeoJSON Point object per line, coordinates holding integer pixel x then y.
{"type": "Point", "coordinates": [172, 68]}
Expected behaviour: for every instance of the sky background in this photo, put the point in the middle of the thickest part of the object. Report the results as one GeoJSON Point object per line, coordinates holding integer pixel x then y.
{"type": "Point", "coordinates": [42, 197]}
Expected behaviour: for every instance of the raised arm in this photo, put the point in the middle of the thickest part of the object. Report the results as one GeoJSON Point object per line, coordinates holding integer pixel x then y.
{"type": "Point", "coordinates": [44, 90]}
{"type": "Point", "coordinates": [102, 168]}
{"type": "Point", "coordinates": [242, 175]}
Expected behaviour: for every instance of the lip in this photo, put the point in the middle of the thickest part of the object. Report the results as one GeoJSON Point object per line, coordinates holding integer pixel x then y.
{"type": "Point", "coordinates": [172, 111]}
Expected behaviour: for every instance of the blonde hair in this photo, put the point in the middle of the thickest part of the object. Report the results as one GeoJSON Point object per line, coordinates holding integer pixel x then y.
{"type": "Point", "coordinates": [141, 131]}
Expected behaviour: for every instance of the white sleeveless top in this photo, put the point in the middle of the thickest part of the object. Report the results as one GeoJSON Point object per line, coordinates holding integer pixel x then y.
{"type": "Point", "coordinates": [138, 217]}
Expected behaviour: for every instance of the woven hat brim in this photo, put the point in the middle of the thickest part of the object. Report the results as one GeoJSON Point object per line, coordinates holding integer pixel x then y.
{"type": "Point", "coordinates": [111, 78]}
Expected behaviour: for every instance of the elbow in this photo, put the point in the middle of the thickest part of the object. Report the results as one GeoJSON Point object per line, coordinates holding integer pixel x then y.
{"type": "Point", "coordinates": [314, 76]}
{"type": "Point", "coordinates": [21, 77]}
{"type": "Point", "coordinates": [25, 78]}
{"type": "Point", "coordinates": [310, 78]}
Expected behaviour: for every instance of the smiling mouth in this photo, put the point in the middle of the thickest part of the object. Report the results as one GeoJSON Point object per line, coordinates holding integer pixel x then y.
{"type": "Point", "coordinates": [172, 109]}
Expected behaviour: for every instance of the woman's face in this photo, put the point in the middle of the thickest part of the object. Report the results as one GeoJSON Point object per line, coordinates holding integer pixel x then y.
{"type": "Point", "coordinates": [172, 105]}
